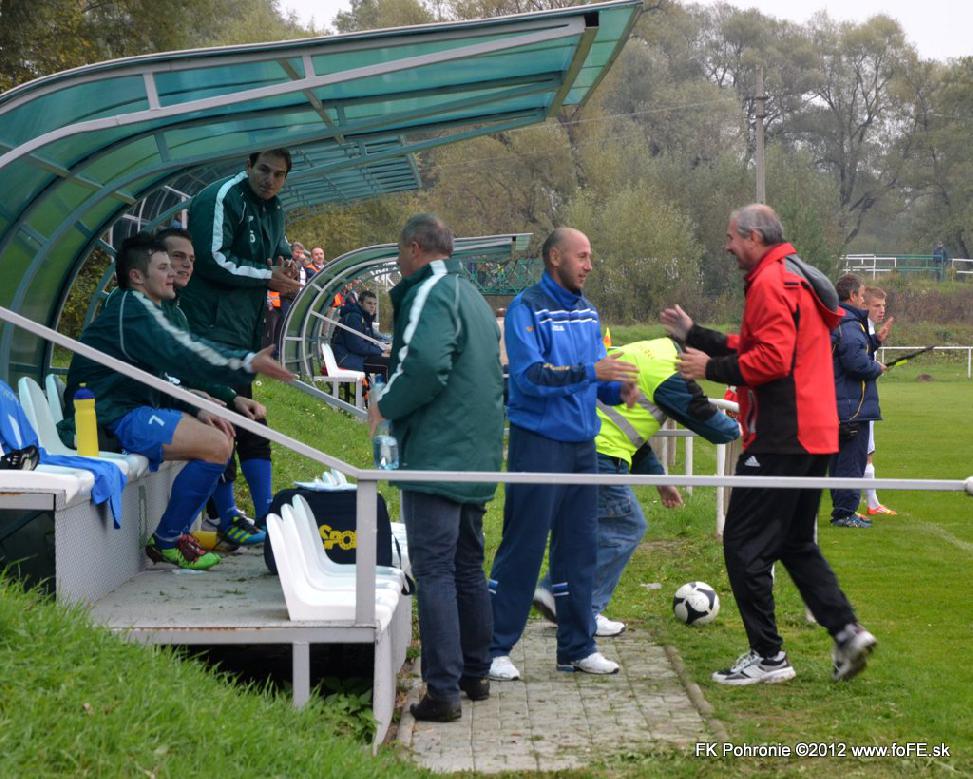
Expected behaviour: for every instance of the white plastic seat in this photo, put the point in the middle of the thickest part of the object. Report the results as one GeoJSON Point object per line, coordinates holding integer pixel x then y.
{"type": "Point", "coordinates": [307, 603]}
{"type": "Point", "coordinates": [298, 533]}
{"type": "Point", "coordinates": [54, 387]}
{"type": "Point", "coordinates": [38, 412]}
{"type": "Point", "coordinates": [302, 510]}
{"type": "Point", "coordinates": [337, 376]}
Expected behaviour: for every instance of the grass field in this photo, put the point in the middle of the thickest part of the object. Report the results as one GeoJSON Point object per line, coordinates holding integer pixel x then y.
{"type": "Point", "coordinates": [75, 701]}
{"type": "Point", "coordinates": [908, 577]}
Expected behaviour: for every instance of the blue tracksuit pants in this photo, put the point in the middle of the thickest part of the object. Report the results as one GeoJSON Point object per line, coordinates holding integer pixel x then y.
{"type": "Point", "coordinates": [531, 511]}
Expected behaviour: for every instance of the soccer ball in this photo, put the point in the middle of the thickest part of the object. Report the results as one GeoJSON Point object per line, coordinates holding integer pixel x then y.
{"type": "Point", "coordinates": [696, 603]}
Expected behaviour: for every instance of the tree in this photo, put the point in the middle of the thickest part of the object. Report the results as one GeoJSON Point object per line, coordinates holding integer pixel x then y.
{"type": "Point", "coordinates": [943, 173]}
{"type": "Point", "coordinates": [41, 37]}
{"type": "Point", "coordinates": [375, 14]}
{"type": "Point", "coordinates": [859, 123]}
{"type": "Point", "coordinates": [645, 255]}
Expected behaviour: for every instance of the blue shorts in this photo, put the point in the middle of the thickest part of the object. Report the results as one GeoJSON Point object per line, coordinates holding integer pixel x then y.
{"type": "Point", "coordinates": [145, 430]}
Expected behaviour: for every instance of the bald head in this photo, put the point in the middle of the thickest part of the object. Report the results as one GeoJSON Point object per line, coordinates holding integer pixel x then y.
{"type": "Point", "coordinates": [567, 257]}
{"type": "Point", "coordinates": [556, 239]}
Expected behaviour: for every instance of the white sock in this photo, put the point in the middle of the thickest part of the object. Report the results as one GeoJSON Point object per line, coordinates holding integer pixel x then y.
{"type": "Point", "coordinates": [871, 495]}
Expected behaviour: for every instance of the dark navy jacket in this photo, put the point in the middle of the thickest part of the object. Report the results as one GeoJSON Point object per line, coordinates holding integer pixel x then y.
{"type": "Point", "coordinates": [349, 349]}
{"type": "Point", "coordinates": [553, 340]}
{"type": "Point", "coordinates": [855, 368]}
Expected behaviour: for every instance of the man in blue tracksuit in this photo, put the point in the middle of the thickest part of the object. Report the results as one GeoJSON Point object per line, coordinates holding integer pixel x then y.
{"type": "Point", "coordinates": [558, 369]}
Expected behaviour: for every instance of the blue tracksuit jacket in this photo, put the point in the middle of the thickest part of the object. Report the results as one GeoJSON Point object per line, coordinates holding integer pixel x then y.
{"type": "Point", "coordinates": [553, 340]}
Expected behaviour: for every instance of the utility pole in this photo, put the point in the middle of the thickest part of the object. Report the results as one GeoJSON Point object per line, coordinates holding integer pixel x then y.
{"type": "Point", "coordinates": [761, 101]}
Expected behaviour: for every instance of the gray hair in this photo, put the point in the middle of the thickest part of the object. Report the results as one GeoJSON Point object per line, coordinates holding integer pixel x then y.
{"type": "Point", "coordinates": [429, 232]}
{"type": "Point", "coordinates": [761, 218]}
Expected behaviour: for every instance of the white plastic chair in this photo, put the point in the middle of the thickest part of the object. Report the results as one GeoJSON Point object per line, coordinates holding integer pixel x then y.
{"type": "Point", "coordinates": [307, 603]}
{"type": "Point", "coordinates": [55, 396]}
{"type": "Point", "coordinates": [33, 400]}
{"type": "Point", "coordinates": [337, 376]}
{"type": "Point", "coordinates": [321, 571]}
{"type": "Point", "coordinates": [302, 511]}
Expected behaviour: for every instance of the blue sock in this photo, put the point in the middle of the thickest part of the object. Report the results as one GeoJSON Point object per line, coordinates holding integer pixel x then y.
{"type": "Point", "coordinates": [224, 500]}
{"type": "Point", "coordinates": [257, 472]}
{"type": "Point", "coordinates": [190, 491]}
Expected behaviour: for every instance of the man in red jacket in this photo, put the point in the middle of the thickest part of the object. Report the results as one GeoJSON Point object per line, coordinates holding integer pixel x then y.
{"type": "Point", "coordinates": [781, 363]}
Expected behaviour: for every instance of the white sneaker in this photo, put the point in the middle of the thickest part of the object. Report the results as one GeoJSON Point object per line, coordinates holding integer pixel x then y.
{"type": "Point", "coordinates": [851, 649]}
{"type": "Point", "coordinates": [595, 663]}
{"type": "Point", "coordinates": [751, 668]}
{"type": "Point", "coordinates": [544, 603]}
{"type": "Point", "coordinates": [606, 628]}
{"type": "Point", "coordinates": [503, 670]}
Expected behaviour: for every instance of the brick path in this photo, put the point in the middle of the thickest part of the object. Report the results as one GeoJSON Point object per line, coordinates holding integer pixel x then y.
{"type": "Point", "coordinates": [552, 721]}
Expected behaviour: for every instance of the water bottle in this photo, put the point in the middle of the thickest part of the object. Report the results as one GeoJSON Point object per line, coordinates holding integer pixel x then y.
{"type": "Point", "coordinates": [85, 422]}
{"type": "Point", "coordinates": [385, 449]}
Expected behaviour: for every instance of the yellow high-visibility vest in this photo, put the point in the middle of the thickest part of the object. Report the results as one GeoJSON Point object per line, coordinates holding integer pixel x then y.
{"type": "Point", "coordinates": [623, 429]}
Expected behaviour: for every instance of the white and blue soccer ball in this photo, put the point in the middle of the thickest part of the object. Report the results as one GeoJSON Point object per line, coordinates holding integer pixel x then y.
{"type": "Point", "coordinates": [696, 603]}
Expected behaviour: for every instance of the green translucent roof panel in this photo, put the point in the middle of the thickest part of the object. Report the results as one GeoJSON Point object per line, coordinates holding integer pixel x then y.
{"type": "Point", "coordinates": [306, 317]}
{"type": "Point", "coordinates": [80, 148]}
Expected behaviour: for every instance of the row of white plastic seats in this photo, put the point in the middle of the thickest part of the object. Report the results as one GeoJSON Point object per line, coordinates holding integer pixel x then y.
{"type": "Point", "coordinates": [315, 587]}
{"type": "Point", "coordinates": [44, 412]}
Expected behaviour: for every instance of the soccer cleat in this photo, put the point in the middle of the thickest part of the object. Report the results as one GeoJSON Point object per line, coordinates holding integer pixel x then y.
{"type": "Point", "coordinates": [544, 603]}
{"type": "Point", "coordinates": [607, 628]}
{"type": "Point", "coordinates": [850, 652]}
{"type": "Point", "coordinates": [242, 531]}
{"type": "Point", "coordinates": [477, 688]}
{"type": "Point", "coordinates": [595, 663]}
{"type": "Point", "coordinates": [852, 520]}
{"type": "Point", "coordinates": [187, 554]}
{"type": "Point", "coordinates": [880, 509]}
{"type": "Point", "coordinates": [752, 668]}
{"type": "Point", "coordinates": [503, 670]}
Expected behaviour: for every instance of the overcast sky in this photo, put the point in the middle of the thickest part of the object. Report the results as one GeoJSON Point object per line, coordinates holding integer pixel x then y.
{"type": "Point", "coordinates": [937, 28]}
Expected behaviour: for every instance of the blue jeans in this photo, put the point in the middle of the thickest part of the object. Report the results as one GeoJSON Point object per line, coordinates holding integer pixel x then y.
{"type": "Point", "coordinates": [455, 614]}
{"type": "Point", "coordinates": [621, 525]}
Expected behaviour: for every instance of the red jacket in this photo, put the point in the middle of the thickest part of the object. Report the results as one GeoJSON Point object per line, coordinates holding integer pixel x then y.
{"type": "Point", "coordinates": [781, 359]}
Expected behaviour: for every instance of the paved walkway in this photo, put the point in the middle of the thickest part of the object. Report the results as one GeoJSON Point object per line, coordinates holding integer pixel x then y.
{"type": "Point", "coordinates": [553, 721]}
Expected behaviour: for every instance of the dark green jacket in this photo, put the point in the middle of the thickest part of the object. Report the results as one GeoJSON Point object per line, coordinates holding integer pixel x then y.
{"type": "Point", "coordinates": [445, 388]}
{"type": "Point", "coordinates": [132, 328]}
{"type": "Point", "coordinates": [235, 233]}
{"type": "Point", "coordinates": [177, 316]}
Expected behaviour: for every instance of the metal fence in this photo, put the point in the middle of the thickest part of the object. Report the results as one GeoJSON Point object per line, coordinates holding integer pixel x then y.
{"type": "Point", "coordinates": [880, 356]}
{"type": "Point", "coordinates": [876, 265]}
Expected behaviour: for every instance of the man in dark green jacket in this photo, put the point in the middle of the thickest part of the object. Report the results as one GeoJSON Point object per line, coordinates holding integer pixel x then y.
{"type": "Point", "coordinates": [236, 529]}
{"type": "Point", "coordinates": [133, 327]}
{"type": "Point", "coordinates": [444, 398]}
{"type": "Point", "coordinates": [237, 226]}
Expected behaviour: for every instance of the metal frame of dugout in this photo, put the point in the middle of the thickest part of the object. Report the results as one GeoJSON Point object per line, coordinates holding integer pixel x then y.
{"type": "Point", "coordinates": [307, 323]}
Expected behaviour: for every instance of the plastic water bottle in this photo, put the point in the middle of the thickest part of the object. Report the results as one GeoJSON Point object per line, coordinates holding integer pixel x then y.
{"type": "Point", "coordinates": [85, 422]}
{"type": "Point", "coordinates": [385, 449]}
